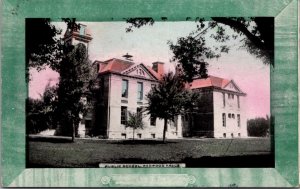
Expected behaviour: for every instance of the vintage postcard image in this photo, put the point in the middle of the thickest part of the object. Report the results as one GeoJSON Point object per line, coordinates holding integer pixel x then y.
{"type": "Point", "coordinates": [156, 100]}
{"type": "Point", "coordinates": [189, 93]}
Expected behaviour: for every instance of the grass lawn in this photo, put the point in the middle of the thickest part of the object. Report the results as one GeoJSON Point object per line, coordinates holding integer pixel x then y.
{"type": "Point", "coordinates": [252, 152]}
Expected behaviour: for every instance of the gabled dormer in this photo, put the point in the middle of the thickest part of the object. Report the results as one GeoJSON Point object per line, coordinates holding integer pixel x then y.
{"type": "Point", "coordinates": [232, 86]}
{"type": "Point", "coordinates": [140, 71]}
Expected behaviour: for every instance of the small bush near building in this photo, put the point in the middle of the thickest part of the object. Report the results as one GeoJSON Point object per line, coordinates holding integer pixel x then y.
{"type": "Point", "coordinates": [259, 127]}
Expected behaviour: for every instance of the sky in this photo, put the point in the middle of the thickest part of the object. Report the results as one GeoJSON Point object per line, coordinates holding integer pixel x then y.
{"type": "Point", "coordinates": [149, 44]}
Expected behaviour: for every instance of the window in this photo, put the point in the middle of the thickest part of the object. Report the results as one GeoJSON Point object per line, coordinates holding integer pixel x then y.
{"type": "Point", "coordinates": [124, 88]}
{"type": "Point", "coordinates": [152, 120]}
{"type": "Point", "coordinates": [238, 101]}
{"type": "Point", "coordinates": [224, 135]}
{"type": "Point", "coordinates": [229, 115]}
{"type": "Point", "coordinates": [239, 120]}
{"type": "Point", "coordinates": [233, 116]}
{"type": "Point", "coordinates": [239, 134]}
{"type": "Point", "coordinates": [153, 135]}
{"type": "Point", "coordinates": [123, 115]}
{"type": "Point", "coordinates": [223, 99]}
{"type": "Point", "coordinates": [231, 135]}
{"type": "Point", "coordinates": [232, 96]}
{"type": "Point", "coordinates": [139, 135]}
{"type": "Point", "coordinates": [140, 91]}
{"type": "Point", "coordinates": [224, 120]}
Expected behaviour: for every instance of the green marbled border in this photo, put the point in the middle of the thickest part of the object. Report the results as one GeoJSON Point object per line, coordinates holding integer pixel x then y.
{"type": "Point", "coordinates": [284, 93]}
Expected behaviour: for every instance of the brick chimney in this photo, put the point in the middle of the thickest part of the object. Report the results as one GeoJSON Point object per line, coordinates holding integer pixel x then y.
{"type": "Point", "coordinates": [158, 67]}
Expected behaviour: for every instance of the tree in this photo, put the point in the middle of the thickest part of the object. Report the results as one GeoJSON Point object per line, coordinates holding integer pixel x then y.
{"type": "Point", "coordinates": [43, 47]}
{"type": "Point", "coordinates": [259, 33]}
{"type": "Point", "coordinates": [34, 116]}
{"type": "Point", "coordinates": [135, 121]}
{"type": "Point", "coordinates": [166, 100]}
{"type": "Point", "coordinates": [259, 127]}
{"type": "Point", "coordinates": [41, 113]}
{"type": "Point", "coordinates": [50, 102]}
{"type": "Point", "coordinates": [255, 34]}
{"type": "Point", "coordinates": [193, 104]}
{"type": "Point", "coordinates": [72, 89]}
{"type": "Point", "coordinates": [41, 43]}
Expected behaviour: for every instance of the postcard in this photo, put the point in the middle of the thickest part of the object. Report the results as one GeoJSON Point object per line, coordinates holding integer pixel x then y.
{"type": "Point", "coordinates": [149, 94]}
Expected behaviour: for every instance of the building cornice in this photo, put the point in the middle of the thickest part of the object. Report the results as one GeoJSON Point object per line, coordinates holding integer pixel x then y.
{"type": "Point", "coordinates": [77, 36]}
{"type": "Point", "coordinates": [122, 75]}
{"type": "Point", "coordinates": [218, 89]}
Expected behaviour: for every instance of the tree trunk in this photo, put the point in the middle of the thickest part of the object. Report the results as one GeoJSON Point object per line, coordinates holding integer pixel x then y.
{"type": "Point", "coordinates": [132, 133]}
{"type": "Point", "coordinates": [165, 129]}
{"type": "Point", "coordinates": [73, 132]}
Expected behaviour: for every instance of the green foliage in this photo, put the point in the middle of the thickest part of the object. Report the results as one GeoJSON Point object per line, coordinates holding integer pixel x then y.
{"type": "Point", "coordinates": [193, 101]}
{"type": "Point", "coordinates": [189, 52]}
{"type": "Point", "coordinates": [138, 22]}
{"type": "Point", "coordinates": [41, 113]}
{"type": "Point", "coordinates": [34, 116]}
{"type": "Point", "coordinates": [166, 100]}
{"type": "Point", "coordinates": [135, 121]}
{"type": "Point", "coordinates": [73, 86]}
{"type": "Point", "coordinates": [43, 47]}
{"type": "Point", "coordinates": [259, 127]}
{"type": "Point", "coordinates": [255, 34]}
{"type": "Point", "coordinates": [170, 99]}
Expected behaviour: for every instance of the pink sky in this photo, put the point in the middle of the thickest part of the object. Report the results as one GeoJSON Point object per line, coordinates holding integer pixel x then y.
{"type": "Point", "coordinates": [149, 44]}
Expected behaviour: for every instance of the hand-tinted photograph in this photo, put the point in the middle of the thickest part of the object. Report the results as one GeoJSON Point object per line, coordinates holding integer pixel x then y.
{"type": "Point", "coordinates": [149, 93]}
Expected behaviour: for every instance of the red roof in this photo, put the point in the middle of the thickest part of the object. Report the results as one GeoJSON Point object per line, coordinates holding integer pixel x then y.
{"type": "Point", "coordinates": [115, 65]}
{"type": "Point", "coordinates": [154, 73]}
{"type": "Point", "coordinates": [210, 81]}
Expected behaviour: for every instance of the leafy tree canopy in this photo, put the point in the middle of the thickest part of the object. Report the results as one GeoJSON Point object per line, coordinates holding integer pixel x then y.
{"type": "Point", "coordinates": [73, 86]}
{"type": "Point", "coordinates": [259, 127]}
{"type": "Point", "coordinates": [41, 113]}
{"type": "Point", "coordinates": [165, 101]}
{"type": "Point", "coordinates": [255, 34]}
{"type": "Point", "coordinates": [43, 46]}
{"type": "Point", "coordinates": [135, 121]}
